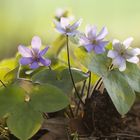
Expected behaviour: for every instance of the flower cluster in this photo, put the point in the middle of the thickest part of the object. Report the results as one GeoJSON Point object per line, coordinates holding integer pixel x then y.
{"type": "Point", "coordinates": [90, 40]}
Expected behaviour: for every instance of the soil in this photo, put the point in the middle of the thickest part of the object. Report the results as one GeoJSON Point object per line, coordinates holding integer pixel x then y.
{"type": "Point", "coordinates": [105, 123]}
{"type": "Point", "coordinates": [99, 121]}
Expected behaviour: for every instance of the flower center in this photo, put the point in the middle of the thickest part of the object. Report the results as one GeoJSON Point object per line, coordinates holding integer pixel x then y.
{"type": "Point", "coordinates": [94, 42]}
{"type": "Point", "coordinates": [35, 55]}
{"type": "Point", "coordinates": [68, 30]}
{"type": "Point", "coordinates": [122, 53]}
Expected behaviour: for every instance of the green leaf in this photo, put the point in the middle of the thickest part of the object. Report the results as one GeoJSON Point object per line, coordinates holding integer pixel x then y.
{"type": "Point", "coordinates": [78, 75]}
{"type": "Point", "coordinates": [9, 63]}
{"type": "Point", "coordinates": [100, 64]}
{"type": "Point", "coordinates": [11, 76]}
{"type": "Point", "coordinates": [120, 92]}
{"type": "Point", "coordinates": [59, 78]}
{"type": "Point", "coordinates": [97, 63]}
{"type": "Point", "coordinates": [9, 98]}
{"type": "Point", "coordinates": [24, 122]}
{"type": "Point", "coordinates": [3, 72]}
{"type": "Point", "coordinates": [6, 66]}
{"type": "Point", "coordinates": [55, 49]}
{"type": "Point", "coordinates": [109, 46]}
{"type": "Point", "coordinates": [24, 110]}
{"type": "Point", "coordinates": [57, 46]}
{"type": "Point", "coordinates": [48, 98]}
{"type": "Point", "coordinates": [26, 73]}
{"type": "Point", "coordinates": [83, 56]}
{"type": "Point", "coordinates": [132, 74]}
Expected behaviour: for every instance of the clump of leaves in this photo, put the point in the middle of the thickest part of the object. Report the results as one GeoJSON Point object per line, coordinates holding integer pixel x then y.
{"type": "Point", "coordinates": [55, 79]}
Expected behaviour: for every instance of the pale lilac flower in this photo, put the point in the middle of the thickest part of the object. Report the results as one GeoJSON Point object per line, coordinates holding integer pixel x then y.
{"type": "Point", "coordinates": [93, 41]}
{"type": "Point", "coordinates": [122, 52]}
{"type": "Point", "coordinates": [60, 12]}
{"type": "Point", "coordinates": [34, 56]}
{"type": "Point", "coordinates": [63, 13]}
{"type": "Point", "coordinates": [64, 26]}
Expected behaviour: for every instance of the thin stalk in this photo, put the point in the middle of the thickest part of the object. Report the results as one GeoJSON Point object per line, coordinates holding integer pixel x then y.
{"type": "Point", "coordinates": [50, 68]}
{"type": "Point", "coordinates": [97, 84]}
{"type": "Point", "coordinates": [82, 92]}
{"type": "Point", "coordinates": [3, 83]}
{"type": "Point", "coordinates": [69, 66]}
{"type": "Point", "coordinates": [71, 111]}
{"type": "Point", "coordinates": [89, 83]}
{"type": "Point", "coordinates": [100, 85]}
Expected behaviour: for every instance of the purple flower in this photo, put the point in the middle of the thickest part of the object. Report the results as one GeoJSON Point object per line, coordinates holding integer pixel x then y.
{"type": "Point", "coordinates": [93, 41]}
{"type": "Point", "coordinates": [122, 52]}
{"type": "Point", "coordinates": [64, 26]}
{"type": "Point", "coordinates": [34, 56]}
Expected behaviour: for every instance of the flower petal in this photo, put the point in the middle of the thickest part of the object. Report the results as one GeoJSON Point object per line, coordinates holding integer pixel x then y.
{"type": "Point", "coordinates": [127, 42]}
{"type": "Point", "coordinates": [117, 45]}
{"type": "Point", "coordinates": [26, 60]}
{"type": "Point", "coordinates": [102, 34]}
{"type": "Point", "coordinates": [36, 43]}
{"type": "Point", "coordinates": [120, 63]}
{"type": "Point", "coordinates": [64, 22]}
{"type": "Point", "coordinates": [112, 54]}
{"type": "Point", "coordinates": [83, 40]}
{"type": "Point", "coordinates": [89, 47]}
{"type": "Point", "coordinates": [43, 52]}
{"type": "Point", "coordinates": [100, 47]}
{"type": "Point", "coordinates": [122, 67]}
{"type": "Point", "coordinates": [45, 61]}
{"type": "Point", "coordinates": [24, 51]}
{"type": "Point", "coordinates": [134, 60]}
{"type": "Point", "coordinates": [34, 65]}
{"type": "Point", "coordinates": [75, 25]}
{"type": "Point", "coordinates": [58, 27]}
{"type": "Point", "coordinates": [133, 52]}
{"type": "Point", "coordinates": [91, 31]}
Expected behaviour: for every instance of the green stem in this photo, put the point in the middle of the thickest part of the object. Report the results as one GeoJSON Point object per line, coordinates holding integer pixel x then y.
{"type": "Point", "coordinates": [69, 66]}
{"type": "Point", "coordinates": [50, 68]}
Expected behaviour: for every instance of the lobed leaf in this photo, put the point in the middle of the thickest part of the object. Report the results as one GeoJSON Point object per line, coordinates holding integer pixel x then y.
{"type": "Point", "coordinates": [119, 90]}
{"type": "Point", "coordinates": [48, 98]}
{"type": "Point", "coordinates": [24, 122]}
{"type": "Point", "coordinates": [61, 79]}
{"type": "Point", "coordinates": [9, 98]}
{"type": "Point", "coordinates": [132, 74]}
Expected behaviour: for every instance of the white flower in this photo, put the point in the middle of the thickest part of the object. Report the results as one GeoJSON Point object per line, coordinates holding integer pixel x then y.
{"type": "Point", "coordinates": [122, 52]}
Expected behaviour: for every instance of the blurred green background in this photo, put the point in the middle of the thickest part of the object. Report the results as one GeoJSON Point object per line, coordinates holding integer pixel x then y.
{"type": "Point", "coordinates": [20, 20]}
